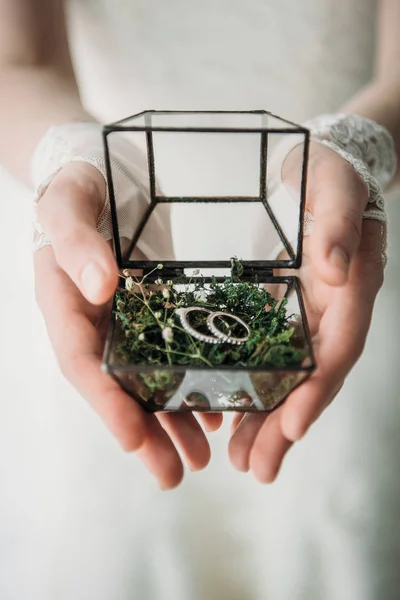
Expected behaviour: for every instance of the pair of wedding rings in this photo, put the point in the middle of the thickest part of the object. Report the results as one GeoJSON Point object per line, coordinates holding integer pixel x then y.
{"type": "Point", "coordinates": [218, 336]}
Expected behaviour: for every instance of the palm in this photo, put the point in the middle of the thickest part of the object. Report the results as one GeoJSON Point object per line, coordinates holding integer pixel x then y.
{"type": "Point", "coordinates": [338, 312]}
{"type": "Point", "coordinates": [318, 295]}
{"type": "Point", "coordinates": [77, 328]}
{"type": "Point", "coordinates": [339, 307]}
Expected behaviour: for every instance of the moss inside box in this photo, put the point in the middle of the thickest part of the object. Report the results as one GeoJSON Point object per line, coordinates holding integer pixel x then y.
{"type": "Point", "coordinates": [152, 332]}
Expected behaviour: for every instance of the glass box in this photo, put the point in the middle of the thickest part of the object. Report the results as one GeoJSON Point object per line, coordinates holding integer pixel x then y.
{"type": "Point", "coordinates": [211, 213]}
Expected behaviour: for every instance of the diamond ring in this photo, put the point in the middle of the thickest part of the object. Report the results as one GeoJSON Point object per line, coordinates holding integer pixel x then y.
{"type": "Point", "coordinates": [218, 336]}
{"type": "Point", "coordinates": [226, 337]}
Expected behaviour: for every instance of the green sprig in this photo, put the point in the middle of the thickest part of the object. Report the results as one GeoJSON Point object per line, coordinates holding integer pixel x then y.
{"type": "Point", "coordinates": [151, 332]}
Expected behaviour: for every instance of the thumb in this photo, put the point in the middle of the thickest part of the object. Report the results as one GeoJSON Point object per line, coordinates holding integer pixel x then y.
{"type": "Point", "coordinates": [68, 212]}
{"type": "Point", "coordinates": [337, 198]}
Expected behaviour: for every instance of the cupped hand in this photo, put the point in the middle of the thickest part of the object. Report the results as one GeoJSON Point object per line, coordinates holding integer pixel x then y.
{"type": "Point", "coordinates": [75, 279]}
{"type": "Point", "coordinates": [341, 275]}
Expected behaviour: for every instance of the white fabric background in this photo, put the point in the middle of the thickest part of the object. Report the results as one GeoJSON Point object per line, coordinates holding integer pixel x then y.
{"type": "Point", "coordinates": [78, 518]}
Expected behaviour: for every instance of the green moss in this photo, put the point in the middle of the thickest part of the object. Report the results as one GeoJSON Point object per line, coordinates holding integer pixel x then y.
{"type": "Point", "coordinates": [153, 335]}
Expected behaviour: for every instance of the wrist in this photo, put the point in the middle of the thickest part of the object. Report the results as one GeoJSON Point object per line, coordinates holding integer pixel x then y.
{"type": "Point", "coordinates": [81, 143]}
{"type": "Point", "coordinates": [32, 100]}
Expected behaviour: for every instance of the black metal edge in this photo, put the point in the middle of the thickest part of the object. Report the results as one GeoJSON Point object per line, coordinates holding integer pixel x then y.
{"type": "Point", "coordinates": [303, 192]}
{"type": "Point", "coordinates": [295, 125]}
{"type": "Point", "coordinates": [208, 112]}
{"type": "Point", "coordinates": [280, 231]}
{"type": "Point", "coordinates": [110, 128]}
{"type": "Point", "coordinates": [174, 265]}
{"type": "Point", "coordinates": [151, 166]}
{"type": "Point", "coordinates": [290, 287]}
{"type": "Point", "coordinates": [111, 193]}
{"type": "Point", "coordinates": [212, 112]}
{"type": "Point", "coordinates": [264, 193]}
{"type": "Point", "coordinates": [263, 167]}
{"type": "Point", "coordinates": [153, 201]}
{"type": "Point", "coordinates": [136, 116]}
{"type": "Point", "coordinates": [105, 363]}
{"type": "Point", "coordinates": [297, 258]}
{"type": "Point", "coordinates": [206, 199]}
{"type": "Point", "coordinates": [222, 409]}
{"type": "Point", "coordinates": [248, 274]}
{"type": "Point", "coordinates": [126, 264]}
{"type": "Point", "coordinates": [304, 320]}
{"type": "Point", "coordinates": [185, 112]}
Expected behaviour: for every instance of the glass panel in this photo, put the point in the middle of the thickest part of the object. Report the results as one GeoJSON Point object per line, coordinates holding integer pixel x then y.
{"type": "Point", "coordinates": [284, 186]}
{"type": "Point", "coordinates": [205, 120]}
{"type": "Point", "coordinates": [154, 389]}
{"type": "Point", "coordinates": [273, 387]}
{"type": "Point", "coordinates": [218, 391]}
{"type": "Point", "coordinates": [130, 172]}
{"type": "Point", "coordinates": [214, 231]}
{"type": "Point", "coordinates": [208, 196]}
{"type": "Point", "coordinates": [207, 164]}
{"type": "Point", "coordinates": [214, 389]}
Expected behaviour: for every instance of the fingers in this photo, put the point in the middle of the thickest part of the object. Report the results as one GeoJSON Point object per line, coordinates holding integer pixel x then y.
{"type": "Point", "coordinates": [259, 444]}
{"type": "Point", "coordinates": [159, 455]}
{"type": "Point", "coordinates": [269, 450]}
{"type": "Point", "coordinates": [337, 198]}
{"type": "Point", "coordinates": [211, 421]}
{"type": "Point", "coordinates": [68, 212]}
{"type": "Point", "coordinates": [186, 434]}
{"type": "Point", "coordinates": [342, 334]}
{"type": "Point", "coordinates": [78, 347]}
{"type": "Point", "coordinates": [242, 440]}
{"type": "Point", "coordinates": [237, 419]}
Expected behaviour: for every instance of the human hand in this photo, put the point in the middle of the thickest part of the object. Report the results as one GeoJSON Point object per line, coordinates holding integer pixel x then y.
{"type": "Point", "coordinates": [341, 275]}
{"type": "Point", "coordinates": [75, 279]}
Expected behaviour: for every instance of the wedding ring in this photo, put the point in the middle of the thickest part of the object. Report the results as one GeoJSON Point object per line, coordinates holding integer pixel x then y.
{"type": "Point", "coordinates": [225, 337]}
{"type": "Point", "coordinates": [219, 337]}
{"type": "Point", "coordinates": [183, 314]}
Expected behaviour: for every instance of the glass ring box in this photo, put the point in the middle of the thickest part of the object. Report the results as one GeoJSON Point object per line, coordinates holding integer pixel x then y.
{"type": "Point", "coordinates": [208, 315]}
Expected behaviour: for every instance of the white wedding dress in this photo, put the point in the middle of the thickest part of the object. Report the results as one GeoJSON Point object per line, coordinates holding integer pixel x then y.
{"type": "Point", "coordinates": [81, 520]}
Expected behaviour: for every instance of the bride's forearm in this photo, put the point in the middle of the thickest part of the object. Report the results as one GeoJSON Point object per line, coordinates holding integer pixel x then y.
{"type": "Point", "coordinates": [31, 100]}
{"type": "Point", "coordinates": [380, 101]}
{"type": "Point", "coordinates": [37, 82]}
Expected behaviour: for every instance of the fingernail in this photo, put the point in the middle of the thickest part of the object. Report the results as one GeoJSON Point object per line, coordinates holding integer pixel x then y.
{"type": "Point", "coordinates": [340, 259]}
{"type": "Point", "coordinates": [92, 279]}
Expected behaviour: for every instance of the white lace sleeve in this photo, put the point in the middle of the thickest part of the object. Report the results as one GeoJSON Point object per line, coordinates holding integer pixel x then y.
{"type": "Point", "coordinates": [83, 142]}
{"type": "Point", "coordinates": [370, 150]}
{"type": "Point", "coordinates": [367, 146]}
{"type": "Point", "coordinates": [363, 138]}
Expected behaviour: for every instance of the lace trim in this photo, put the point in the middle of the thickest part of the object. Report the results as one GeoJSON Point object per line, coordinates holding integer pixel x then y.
{"type": "Point", "coordinates": [369, 149]}
{"type": "Point", "coordinates": [360, 137]}
{"type": "Point", "coordinates": [83, 142]}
